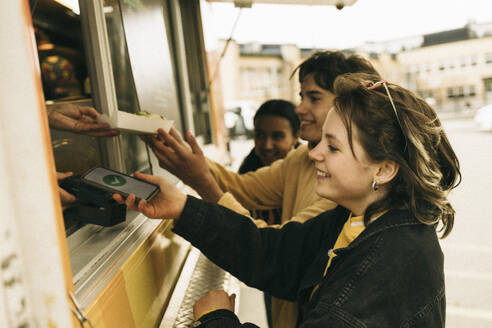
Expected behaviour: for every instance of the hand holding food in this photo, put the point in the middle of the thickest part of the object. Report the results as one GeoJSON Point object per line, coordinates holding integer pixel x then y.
{"type": "Point", "coordinates": [79, 119]}
{"type": "Point", "coordinates": [141, 122]}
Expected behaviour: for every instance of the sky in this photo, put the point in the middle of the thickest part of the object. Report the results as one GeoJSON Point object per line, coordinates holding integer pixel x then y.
{"type": "Point", "coordinates": [327, 27]}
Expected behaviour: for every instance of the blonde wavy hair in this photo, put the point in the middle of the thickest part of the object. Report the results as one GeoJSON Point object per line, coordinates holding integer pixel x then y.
{"type": "Point", "coordinates": [410, 135]}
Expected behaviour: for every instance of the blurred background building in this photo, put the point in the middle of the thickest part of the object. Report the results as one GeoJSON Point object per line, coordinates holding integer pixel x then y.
{"type": "Point", "coordinates": [451, 69]}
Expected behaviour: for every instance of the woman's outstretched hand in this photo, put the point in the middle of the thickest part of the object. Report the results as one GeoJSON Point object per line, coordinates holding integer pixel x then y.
{"type": "Point", "coordinates": [185, 160]}
{"type": "Point", "coordinates": [168, 204]}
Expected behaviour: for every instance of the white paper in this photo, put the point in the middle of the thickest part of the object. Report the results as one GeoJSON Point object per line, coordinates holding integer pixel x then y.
{"type": "Point", "coordinates": [132, 123]}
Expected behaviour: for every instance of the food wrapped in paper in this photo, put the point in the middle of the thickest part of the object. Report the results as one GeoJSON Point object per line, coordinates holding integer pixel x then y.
{"type": "Point", "coordinates": [141, 123]}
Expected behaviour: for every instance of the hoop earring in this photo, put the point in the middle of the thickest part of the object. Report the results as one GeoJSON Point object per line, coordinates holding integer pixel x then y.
{"type": "Point", "coordinates": [375, 185]}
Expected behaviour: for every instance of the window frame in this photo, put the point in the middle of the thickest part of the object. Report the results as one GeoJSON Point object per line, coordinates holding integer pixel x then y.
{"type": "Point", "coordinates": [94, 33]}
{"type": "Point", "coordinates": [96, 253]}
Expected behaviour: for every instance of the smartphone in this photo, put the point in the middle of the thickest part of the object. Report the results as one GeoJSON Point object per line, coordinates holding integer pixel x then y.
{"type": "Point", "coordinates": [120, 183]}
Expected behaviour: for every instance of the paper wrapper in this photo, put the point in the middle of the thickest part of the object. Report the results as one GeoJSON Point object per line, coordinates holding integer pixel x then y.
{"type": "Point", "coordinates": [135, 123]}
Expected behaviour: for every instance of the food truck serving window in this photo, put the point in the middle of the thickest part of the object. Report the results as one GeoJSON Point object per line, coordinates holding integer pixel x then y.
{"type": "Point", "coordinates": [129, 42]}
{"type": "Point", "coordinates": [113, 56]}
{"type": "Point", "coordinates": [66, 80]}
{"type": "Point", "coordinates": [118, 57]}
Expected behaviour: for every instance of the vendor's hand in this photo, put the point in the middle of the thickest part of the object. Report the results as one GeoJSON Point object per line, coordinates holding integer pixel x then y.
{"type": "Point", "coordinates": [186, 161]}
{"type": "Point", "coordinates": [168, 204]}
{"type": "Point", "coordinates": [214, 300]}
{"type": "Point", "coordinates": [79, 119]}
{"type": "Point", "coordinates": [65, 196]}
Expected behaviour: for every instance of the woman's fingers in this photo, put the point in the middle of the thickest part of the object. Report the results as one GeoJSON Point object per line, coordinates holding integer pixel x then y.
{"type": "Point", "coordinates": [87, 119]}
{"type": "Point", "coordinates": [167, 165]}
{"type": "Point", "coordinates": [172, 142]}
{"type": "Point", "coordinates": [118, 198]}
{"type": "Point", "coordinates": [130, 202]}
{"type": "Point", "coordinates": [164, 161]}
{"type": "Point", "coordinates": [142, 204]}
{"type": "Point", "coordinates": [195, 147]}
{"type": "Point", "coordinates": [186, 146]}
{"type": "Point", "coordinates": [161, 150]}
{"type": "Point", "coordinates": [89, 111]}
{"type": "Point", "coordinates": [176, 135]}
{"type": "Point", "coordinates": [145, 208]}
{"type": "Point", "coordinates": [149, 178]}
{"type": "Point", "coordinates": [161, 145]}
{"type": "Point", "coordinates": [148, 209]}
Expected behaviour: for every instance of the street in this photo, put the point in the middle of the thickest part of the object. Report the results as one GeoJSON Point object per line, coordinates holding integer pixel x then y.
{"type": "Point", "coordinates": [467, 250]}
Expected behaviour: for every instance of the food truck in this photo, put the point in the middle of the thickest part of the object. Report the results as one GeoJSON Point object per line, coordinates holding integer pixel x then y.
{"type": "Point", "coordinates": [118, 56]}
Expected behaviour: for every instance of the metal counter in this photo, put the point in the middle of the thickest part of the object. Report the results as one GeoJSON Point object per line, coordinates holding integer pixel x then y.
{"type": "Point", "coordinates": [198, 277]}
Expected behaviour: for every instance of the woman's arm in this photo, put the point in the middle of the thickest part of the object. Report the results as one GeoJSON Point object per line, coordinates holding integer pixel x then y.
{"type": "Point", "coordinates": [272, 260]}
{"type": "Point", "coordinates": [186, 160]}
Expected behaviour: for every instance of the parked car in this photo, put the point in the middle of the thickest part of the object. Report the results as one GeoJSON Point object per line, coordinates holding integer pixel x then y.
{"type": "Point", "coordinates": [484, 118]}
{"type": "Point", "coordinates": [239, 118]}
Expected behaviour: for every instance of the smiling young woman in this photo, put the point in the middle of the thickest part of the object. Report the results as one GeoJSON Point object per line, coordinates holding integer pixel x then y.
{"type": "Point", "coordinates": [385, 158]}
{"type": "Point", "coordinates": [345, 172]}
{"type": "Point", "coordinates": [397, 128]}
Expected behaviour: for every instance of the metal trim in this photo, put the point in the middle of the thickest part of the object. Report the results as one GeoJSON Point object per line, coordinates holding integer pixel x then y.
{"type": "Point", "coordinates": [113, 252]}
{"type": "Point", "coordinates": [198, 277]}
{"type": "Point", "coordinates": [180, 289]}
{"type": "Point", "coordinates": [179, 50]}
{"type": "Point", "coordinates": [239, 3]}
{"type": "Point", "coordinates": [99, 59]}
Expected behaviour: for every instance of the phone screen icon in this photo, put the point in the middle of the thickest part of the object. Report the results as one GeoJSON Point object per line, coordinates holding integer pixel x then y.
{"type": "Point", "coordinates": [120, 183]}
{"type": "Point", "coordinates": [114, 180]}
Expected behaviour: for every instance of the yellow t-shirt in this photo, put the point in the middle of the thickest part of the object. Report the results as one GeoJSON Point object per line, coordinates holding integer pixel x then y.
{"type": "Point", "coordinates": [351, 230]}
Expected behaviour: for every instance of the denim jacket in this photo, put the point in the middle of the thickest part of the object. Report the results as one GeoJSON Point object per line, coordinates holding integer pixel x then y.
{"type": "Point", "coordinates": [391, 275]}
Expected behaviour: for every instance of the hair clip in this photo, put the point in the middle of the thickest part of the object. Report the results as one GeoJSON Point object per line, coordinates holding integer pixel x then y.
{"type": "Point", "coordinates": [374, 85]}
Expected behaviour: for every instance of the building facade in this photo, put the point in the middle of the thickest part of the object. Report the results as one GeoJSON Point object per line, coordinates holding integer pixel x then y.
{"type": "Point", "coordinates": [257, 72]}
{"type": "Point", "coordinates": [453, 76]}
{"type": "Point", "coordinates": [451, 69]}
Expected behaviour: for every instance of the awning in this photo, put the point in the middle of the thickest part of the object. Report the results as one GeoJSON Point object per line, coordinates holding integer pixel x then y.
{"type": "Point", "coordinates": [248, 3]}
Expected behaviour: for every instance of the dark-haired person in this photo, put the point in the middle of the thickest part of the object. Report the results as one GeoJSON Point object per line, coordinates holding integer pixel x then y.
{"type": "Point", "coordinates": [276, 131]}
{"type": "Point", "coordinates": [287, 183]}
{"type": "Point", "coordinates": [373, 261]}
